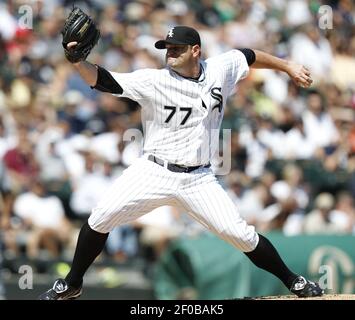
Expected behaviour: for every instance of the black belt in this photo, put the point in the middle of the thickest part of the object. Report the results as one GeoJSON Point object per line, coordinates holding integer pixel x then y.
{"type": "Point", "coordinates": [176, 167]}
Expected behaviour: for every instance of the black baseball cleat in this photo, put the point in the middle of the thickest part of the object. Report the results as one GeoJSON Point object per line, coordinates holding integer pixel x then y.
{"type": "Point", "coordinates": [61, 291]}
{"type": "Point", "coordinates": [304, 288]}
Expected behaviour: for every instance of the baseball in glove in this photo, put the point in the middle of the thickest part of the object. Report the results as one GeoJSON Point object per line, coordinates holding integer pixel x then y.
{"type": "Point", "coordinates": [80, 28]}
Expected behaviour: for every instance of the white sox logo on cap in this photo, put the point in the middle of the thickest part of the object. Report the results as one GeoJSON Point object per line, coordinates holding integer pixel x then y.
{"type": "Point", "coordinates": [171, 33]}
{"type": "Point", "coordinates": [180, 35]}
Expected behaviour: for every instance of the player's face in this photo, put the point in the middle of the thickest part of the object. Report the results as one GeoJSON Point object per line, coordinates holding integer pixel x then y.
{"type": "Point", "coordinates": [178, 56]}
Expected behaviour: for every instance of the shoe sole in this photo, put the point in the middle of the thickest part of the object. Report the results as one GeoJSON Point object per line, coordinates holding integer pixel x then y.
{"type": "Point", "coordinates": [75, 296]}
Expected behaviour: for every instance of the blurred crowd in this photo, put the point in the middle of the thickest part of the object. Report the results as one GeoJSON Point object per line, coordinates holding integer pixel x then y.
{"type": "Point", "coordinates": [62, 143]}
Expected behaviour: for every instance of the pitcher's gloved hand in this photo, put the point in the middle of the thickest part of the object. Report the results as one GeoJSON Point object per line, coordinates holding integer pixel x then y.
{"type": "Point", "coordinates": [80, 28]}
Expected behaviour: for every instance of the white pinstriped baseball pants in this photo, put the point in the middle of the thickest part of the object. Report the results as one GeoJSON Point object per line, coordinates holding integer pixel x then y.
{"type": "Point", "coordinates": [146, 185]}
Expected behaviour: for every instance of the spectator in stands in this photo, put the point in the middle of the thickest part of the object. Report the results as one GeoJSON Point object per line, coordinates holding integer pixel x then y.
{"type": "Point", "coordinates": [320, 221]}
{"type": "Point", "coordinates": [122, 243]}
{"type": "Point", "coordinates": [310, 48]}
{"type": "Point", "coordinates": [283, 214]}
{"type": "Point", "coordinates": [91, 186]}
{"type": "Point", "coordinates": [20, 163]}
{"type": "Point", "coordinates": [44, 218]}
{"type": "Point", "coordinates": [318, 124]}
{"type": "Point", "coordinates": [19, 168]}
{"type": "Point", "coordinates": [344, 212]}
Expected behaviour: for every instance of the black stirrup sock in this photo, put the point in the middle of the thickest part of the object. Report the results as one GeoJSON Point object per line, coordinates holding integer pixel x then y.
{"type": "Point", "coordinates": [266, 257]}
{"type": "Point", "coordinates": [90, 244]}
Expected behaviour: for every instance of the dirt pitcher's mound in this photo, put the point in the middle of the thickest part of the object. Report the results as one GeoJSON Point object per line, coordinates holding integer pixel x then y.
{"type": "Point", "coordinates": [324, 297]}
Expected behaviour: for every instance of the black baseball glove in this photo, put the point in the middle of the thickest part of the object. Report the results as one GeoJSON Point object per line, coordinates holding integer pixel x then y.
{"type": "Point", "coordinates": [81, 28]}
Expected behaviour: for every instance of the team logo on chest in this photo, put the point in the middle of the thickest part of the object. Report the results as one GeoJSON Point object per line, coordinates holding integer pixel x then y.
{"type": "Point", "coordinates": [216, 94]}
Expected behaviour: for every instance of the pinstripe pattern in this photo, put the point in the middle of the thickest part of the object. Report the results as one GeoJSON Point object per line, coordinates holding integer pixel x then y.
{"type": "Point", "coordinates": [165, 98]}
{"type": "Point", "coordinates": [155, 89]}
{"type": "Point", "coordinates": [142, 187]}
{"type": "Point", "coordinates": [145, 186]}
{"type": "Point", "coordinates": [206, 201]}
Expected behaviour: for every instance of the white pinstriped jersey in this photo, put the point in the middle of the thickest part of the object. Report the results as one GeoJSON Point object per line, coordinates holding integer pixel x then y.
{"type": "Point", "coordinates": [181, 117]}
{"type": "Point", "coordinates": [178, 116]}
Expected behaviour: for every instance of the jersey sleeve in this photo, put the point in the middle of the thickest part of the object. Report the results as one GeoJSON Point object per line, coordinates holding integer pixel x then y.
{"type": "Point", "coordinates": [136, 85]}
{"type": "Point", "coordinates": [234, 67]}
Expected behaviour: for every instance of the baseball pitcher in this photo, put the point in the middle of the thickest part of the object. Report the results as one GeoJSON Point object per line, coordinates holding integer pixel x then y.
{"type": "Point", "coordinates": [181, 105]}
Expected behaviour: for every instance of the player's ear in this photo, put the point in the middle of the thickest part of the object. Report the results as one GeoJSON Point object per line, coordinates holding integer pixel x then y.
{"type": "Point", "coordinates": [196, 50]}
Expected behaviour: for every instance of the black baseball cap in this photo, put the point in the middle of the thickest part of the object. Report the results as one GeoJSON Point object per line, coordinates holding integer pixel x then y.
{"type": "Point", "coordinates": [180, 35]}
